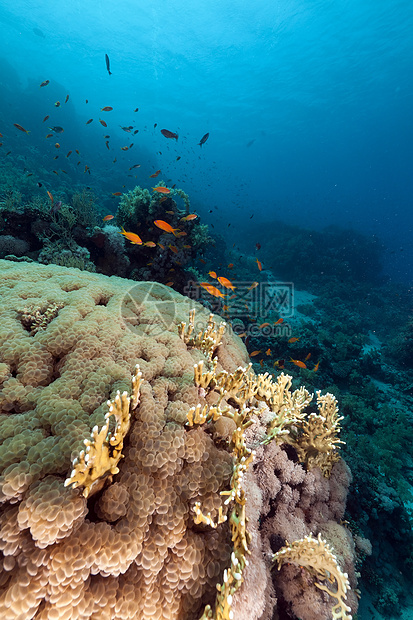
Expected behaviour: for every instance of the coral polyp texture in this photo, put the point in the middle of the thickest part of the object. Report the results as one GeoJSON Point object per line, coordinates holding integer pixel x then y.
{"type": "Point", "coordinates": [112, 507]}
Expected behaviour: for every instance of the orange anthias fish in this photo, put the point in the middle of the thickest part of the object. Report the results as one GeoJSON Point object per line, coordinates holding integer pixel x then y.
{"type": "Point", "coordinates": [253, 285]}
{"type": "Point", "coordinates": [230, 266]}
{"type": "Point", "coordinates": [268, 351]}
{"type": "Point", "coordinates": [254, 353]}
{"type": "Point", "coordinates": [298, 363]}
{"type": "Point", "coordinates": [263, 325]}
{"type": "Point", "coordinates": [20, 127]}
{"type": "Point", "coordinates": [116, 193]}
{"type": "Point", "coordinates": [173, 248]}
{"type": "Point", "coordinates": [155, 174]}
{"type": "Point", "coordinates": [107, 108]}
{"type": "Point", "coordinates": [259, 265]}
{"type": "Point", "coordinates": [307, 357]}
{"type": "Point", "coordinates": [212, 290]}
{"type": "Point", "coordinates": [189, 218]}
{"type": "Point", "coordinates": [103, 123]}
{"type": "Point", "coordinates": [225, 282]}
{"type": "Point", "coordinates": [161, 190]}
{"type": "Point", "coordinates": [50, 195]}
{"type": "Point", "coordinates": [212, 274]}
{"type": "Point", "coordinates": [294, 339]}
{"type": "Point", "coordinates": [107, 218]}
{"type": "Point", "coordinates": [133, 237]}
{"type": "Point", "coordinates": [166, 227]}
{"type": "Point", "coordinates": [279, 322]}
{"type": "Point", "coordinates": [150, 244]}
{"type": "Point", "coordinates": [316, 367]}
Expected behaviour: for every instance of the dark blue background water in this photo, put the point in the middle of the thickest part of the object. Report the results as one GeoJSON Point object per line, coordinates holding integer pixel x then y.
{"type": "Point", "coordinates": [308, 105]}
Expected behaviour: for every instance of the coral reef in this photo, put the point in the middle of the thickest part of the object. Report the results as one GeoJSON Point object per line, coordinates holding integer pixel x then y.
{"type": "Point", "coordinates": [144, 545]}
{"type": "Point", "coordinates": [68, 231]}
{"type": "Point", "coordinates": [318, 557]}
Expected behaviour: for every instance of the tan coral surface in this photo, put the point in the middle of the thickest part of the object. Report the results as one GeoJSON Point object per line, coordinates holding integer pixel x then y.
{"type": "Point", "coordinates": [132, 550]}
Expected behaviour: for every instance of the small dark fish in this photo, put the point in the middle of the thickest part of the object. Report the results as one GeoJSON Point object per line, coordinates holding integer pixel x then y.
{"type": "Point", "coordinates": [39, 184]}
{"type": "Point", "coordinates": [106, 137]}
{"type": "Point", "coordinates": [250, 143]}
{"type": "Point", "coordinates": [108, 64]}
{"type": "Point", "coordinates": [125, 128]}
{"type": "Point", "coordinates": [8, 153]}
{"type": "Point", "coordinates": [56, 129]}
{"type": "Point", "coordinates": [39, 33]}
{"type": "Point", "coordinates": [258, 246]}
{"type": "Point", "coordinates": [135, 166]}
{"type": "Point", "coordinates": [45, 118]}
{"type": "Point", "coordinates": [107, 108]}
{"type": "Point", "coordinates": [136, 110]}
{"type": "Point", "coordinates": [87, 101]}
{"type": "Point", "coordinates": [20, 127]}
{"type": "Point", "coordinates": [69, 153]}
{"type": "Point", "coordinates": [155, 125]}
{"type": "Point", "coordinates": [67, 98]}
{"type": "Point", "coordinates": [135, 132]}
{"type": "Point", "coordinates": [178, 158]}
{"type": "Point", "coordinates": [131, 145]}
{"type": "Point", "coordinates": [57, 104]}
{"type": "Point", "coordinates": [203, 139]}
{"type": "Point", "coordinates": [169, 134]}
{"type": "Point", "coordinates": [45, 83]}
{"type": "Point", "coordinates": [89, 121]}
{"type": "Point", "coordinates": [107, 145]}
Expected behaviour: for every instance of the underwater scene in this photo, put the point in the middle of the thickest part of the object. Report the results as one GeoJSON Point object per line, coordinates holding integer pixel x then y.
{"type": "Point", "coordinates": [206, 323]}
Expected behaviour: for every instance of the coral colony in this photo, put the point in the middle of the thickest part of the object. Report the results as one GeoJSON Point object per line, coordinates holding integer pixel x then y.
{"type": "Point", "coordinates": [148, 472]}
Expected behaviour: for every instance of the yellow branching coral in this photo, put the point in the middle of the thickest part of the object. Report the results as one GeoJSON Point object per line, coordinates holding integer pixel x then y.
{"type": "Point", "coordinates": [318, 558]}
{"type": "Point", "coordinates": [230, 386]}
{"type": "Point", "coordinates": [207, 340]}
{"type": "Point", "coordinates": [316, 437]}
{"type": "Point", "coordinates": [104, 448]}
{"type": "Point", "coordinates": [313, 435]}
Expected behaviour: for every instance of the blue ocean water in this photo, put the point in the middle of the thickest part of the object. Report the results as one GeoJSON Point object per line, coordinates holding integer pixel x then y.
{"type": "Point", "coordinates": [308, 105]}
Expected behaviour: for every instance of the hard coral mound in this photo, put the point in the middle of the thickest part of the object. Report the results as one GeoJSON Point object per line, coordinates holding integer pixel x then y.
{"type": "Point", "coordinates": [69, 341]}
